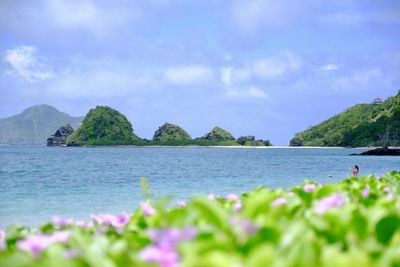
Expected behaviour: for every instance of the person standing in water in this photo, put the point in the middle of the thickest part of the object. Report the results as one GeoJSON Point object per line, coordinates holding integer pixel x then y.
{"type": "Point", "coordinates": [355, 170]}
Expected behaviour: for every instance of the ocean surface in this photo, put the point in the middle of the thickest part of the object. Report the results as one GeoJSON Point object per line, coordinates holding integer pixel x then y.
{"type": "Point", "coordinates": [39, 182]}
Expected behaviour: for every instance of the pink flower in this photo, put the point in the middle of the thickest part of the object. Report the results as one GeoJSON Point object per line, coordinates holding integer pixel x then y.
{"type": "Point", "coordinates": [148, 210]}
{"type": "Point", "coordinates": [116, 221]}
{"type": "Point", "coordinates": [2, 240]}
{"type": "Point", "coordinates": [279, 201]}
{"type": "Point", "coordinates": [238, 206]}
{"type": "Point", "coordinates": [231, 197]}
{"type": "Point", "coordinates": [245, 226]}
{"type": "Point", "coordinates": [181, 204]}
{"type": "Point", "coordinates": [36, 243]}
{"type": "Point", "coordinates": [61, 237]}
{"type": "Point", "coordinates": [365, 193]}
{"type": "Point", "coordinates": [59, 221]}
{"type": "Point", "coordinates": [211, 197]}
{"type": "Point", "coordinates": [164, 256]}
{"type": "Point", "coordinates": [386, 190]}
{"type": "Point", "coordinates": [84, 224]}
{"type": "Point", "coordinates": [329, 202]}
{"type": "Point", "coordinates": [165, 241]}
{"type": "Point", "coordinates": [309, 188]}
{"type": "Point", "coordinates": [121, 220]}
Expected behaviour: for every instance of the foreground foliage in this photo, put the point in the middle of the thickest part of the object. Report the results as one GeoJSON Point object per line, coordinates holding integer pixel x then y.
{"type": "Point", "coordinates": [355, 222]}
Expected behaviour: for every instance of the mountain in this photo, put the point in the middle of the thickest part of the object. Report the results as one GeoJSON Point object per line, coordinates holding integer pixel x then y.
{"type": "Point", "coordinates": [376, 124]}
{"type": "Point", "coordinates": [170, 132]}
{"type": "Point", "coordinates": [103, 126]}
{"type": "Point", "coordinates": [34, 125]}
{"type": "Point", "coordinates": [218, 134]}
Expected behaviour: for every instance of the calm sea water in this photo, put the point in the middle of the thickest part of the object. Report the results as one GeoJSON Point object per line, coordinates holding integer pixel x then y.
{"type": "Point", "coordinates": [39, 182]}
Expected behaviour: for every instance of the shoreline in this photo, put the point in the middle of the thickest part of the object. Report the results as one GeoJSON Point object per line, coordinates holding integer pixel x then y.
{"type": "Point", "coordinates": [251, 147]}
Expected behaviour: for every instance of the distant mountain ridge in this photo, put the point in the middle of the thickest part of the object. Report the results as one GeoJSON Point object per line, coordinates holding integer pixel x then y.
{"type": "Point", "coordinates": [361, 125]}
{"type": "Point", "coordinates": [34, 125]}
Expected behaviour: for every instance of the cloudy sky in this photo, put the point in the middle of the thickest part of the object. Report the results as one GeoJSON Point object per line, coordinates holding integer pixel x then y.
{"type": "Point", "coordinates": [270, 68]}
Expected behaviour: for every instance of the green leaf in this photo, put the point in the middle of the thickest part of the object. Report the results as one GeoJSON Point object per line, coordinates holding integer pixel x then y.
{"type": "Point", "coordinates": [386, 227]}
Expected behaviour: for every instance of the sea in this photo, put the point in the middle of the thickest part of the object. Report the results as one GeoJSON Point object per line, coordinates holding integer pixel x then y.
{"type": "Point", "coordinates": [37, 183]}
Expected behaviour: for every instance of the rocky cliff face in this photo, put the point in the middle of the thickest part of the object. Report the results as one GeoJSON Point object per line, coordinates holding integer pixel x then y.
{"type": "Point", "coordinates": [170, 132]}
{"type": "Point", "coordinates": [61, 136]}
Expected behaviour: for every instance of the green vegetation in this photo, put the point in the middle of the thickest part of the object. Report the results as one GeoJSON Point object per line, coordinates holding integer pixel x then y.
{"type": "Point", "coordinates": [103, 126]}
{"type": "Point", "coordinates": [218, 134]}
{"type": "Point", "coordinates": [170, 133]}
{"type": "Point", "coordinates": [251, 141]}
{"type": "Point", "coordinates": [34, 125]}
{"type": "Point", "coordinates": [355, 222]}
{"type": "Point", "coordinates": [361, 125]}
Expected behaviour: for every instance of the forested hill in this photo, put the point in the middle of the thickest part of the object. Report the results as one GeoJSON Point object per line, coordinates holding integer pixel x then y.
{"type": "Point", "coordinates": [34, 125]}
{"type": "Point", "coordinates": [360, 125]}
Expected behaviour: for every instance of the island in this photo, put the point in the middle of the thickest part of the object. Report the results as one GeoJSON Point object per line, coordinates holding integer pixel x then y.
{"type": "Point", "coordinates": [105, 126]}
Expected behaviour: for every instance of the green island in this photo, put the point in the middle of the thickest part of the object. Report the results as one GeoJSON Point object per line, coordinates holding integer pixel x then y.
{"type": "Point", "coordinates": [375, 124]}
{"type": "Point", "coordinates": [104, 126]}
{"type": "Point", "coordinates": [354, 222]}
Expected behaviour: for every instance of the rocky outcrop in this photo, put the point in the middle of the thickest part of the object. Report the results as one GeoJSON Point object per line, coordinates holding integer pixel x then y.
{"type": "Point", "coordinates": [61, 136]}
{"type": "Point", "coordinates": [218, 134]}
{"type": "Point", "coordinates": [170, 132]}
{"type": "Point", "coordinates": [382, 151]}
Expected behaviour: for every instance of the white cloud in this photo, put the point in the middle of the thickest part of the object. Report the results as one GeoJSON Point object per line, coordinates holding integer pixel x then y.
{"type": "Point", "coordinates": [329, 67]}
{"type": "Point", "coordinates": [25, 63]}
{"type": "Point", "coordinates": [252, 91]}
{"type": "Point", "coordinates": [94, 16]}
{"type": "Point", "coordinates": [251, 15]}
{"type": "Point", "coordinates": [188, 75]}
{"type": "Point", "coordinates": [100, 83]}
{"type": "Point", "coordinates": [359, 79]}
{"type": "Point", "coordinates": [231, 75]}
{"type": "Point", "coordinates": [276, 66]}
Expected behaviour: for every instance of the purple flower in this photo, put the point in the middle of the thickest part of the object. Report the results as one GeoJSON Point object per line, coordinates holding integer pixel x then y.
{"type": "Point", "coordinates": [84, 224]}
{"type": "Point", "coordinates": [148, 210]}
{"type": "Point", "coordinates": [244, 225]}
{"type": "Point", "coordinates": [181, 203]}
{"type": "Point", "coordinates": [121, 220]}
{"type": "Point", "coordinates": [231, 197]}
{"type": "Point", "coordinates": [309, 188]}
{"type": "Point", "coordinates": [279, 201]}
{"type": "Point", "coordinates": [365, 193]}
{"type": "Point", "coordinates": [60, 236]}
{"type": "Point", "coordinates": [36, 243]}
{"type": "Point", "coordinates": [164, 256]}
{"type": "Point", "coordinates": [116, 221]}
{"type": "Point", "coordinates": [2, 240]}
{"type": "Point", "coordinates": [329, 202]}
{"type": "Point", "coordinates": [163, 250]}
{"type": "Point", "coordinates": [238, 206]}
{"type": "Point", "coordinates": [59, 221]}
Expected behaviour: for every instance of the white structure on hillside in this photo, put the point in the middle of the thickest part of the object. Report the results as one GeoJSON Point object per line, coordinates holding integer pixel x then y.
{"type": "Point", "coordinates": [377, 100]}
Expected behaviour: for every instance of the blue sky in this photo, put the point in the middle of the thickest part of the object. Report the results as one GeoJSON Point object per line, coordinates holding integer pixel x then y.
{"type": "Point", "coordinates": [270, 68]}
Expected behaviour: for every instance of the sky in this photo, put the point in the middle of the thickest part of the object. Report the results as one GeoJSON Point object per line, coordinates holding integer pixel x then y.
{"type": "Point", "coordinates": [269, 68]}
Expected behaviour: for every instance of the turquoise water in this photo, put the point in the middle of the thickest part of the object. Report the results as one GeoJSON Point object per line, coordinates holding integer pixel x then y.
{"type": "Point", "coordinates": [39, 182]}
